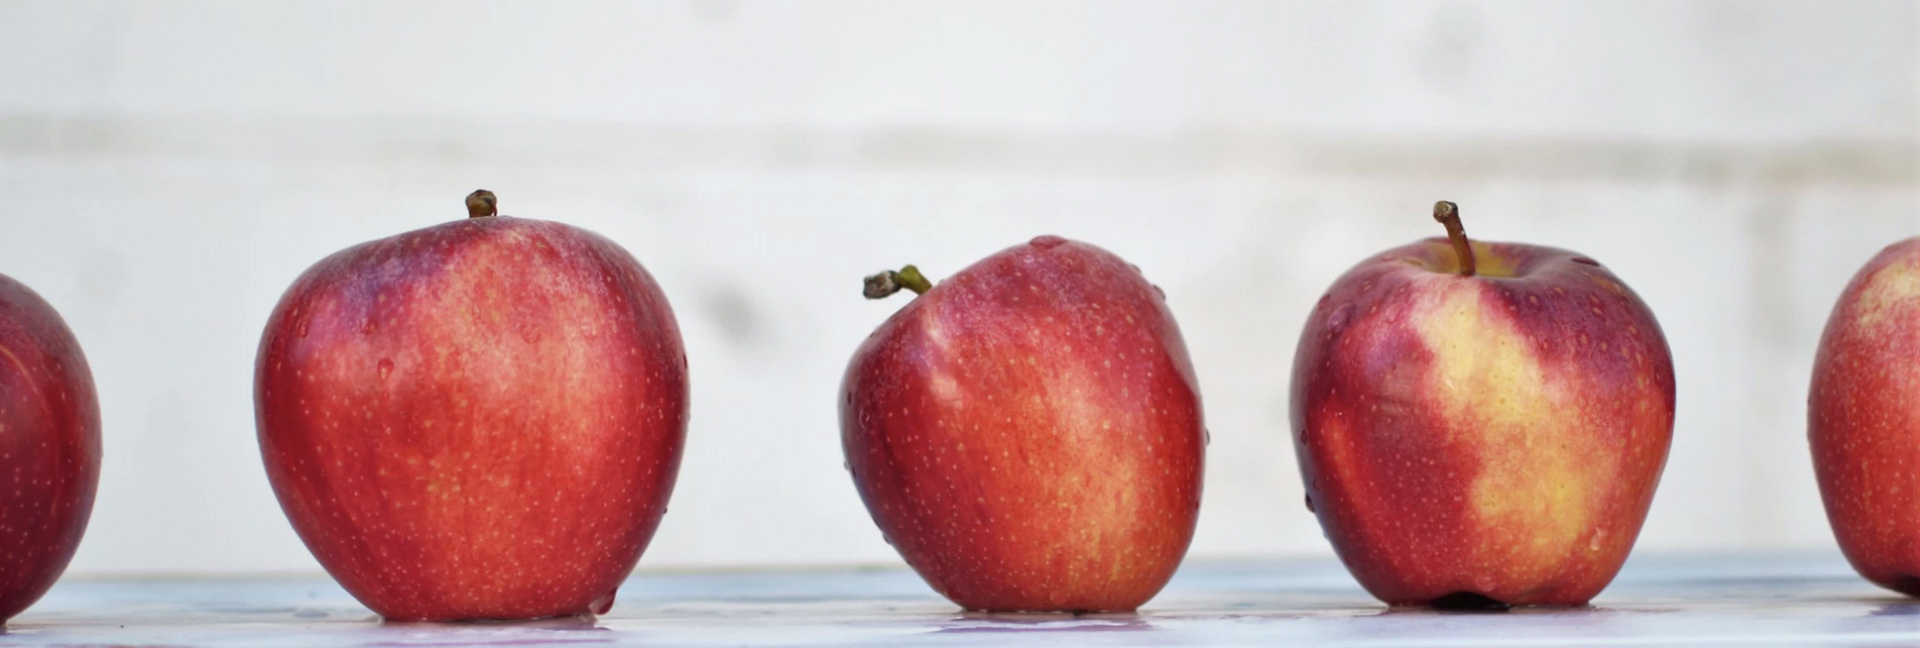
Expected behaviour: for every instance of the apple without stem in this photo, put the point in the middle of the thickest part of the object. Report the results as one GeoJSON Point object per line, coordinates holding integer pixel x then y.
{"type": "Point", "coordinates": [1863, 419]}
{"type": "Point", "coordinates": [1481, 425]}
{"type": "Point", "coordinates": [1028, 433]}
{"type": "Point", "coordinates": [49, 446]}
{"type": "Point", "coordinates": [477, 420]}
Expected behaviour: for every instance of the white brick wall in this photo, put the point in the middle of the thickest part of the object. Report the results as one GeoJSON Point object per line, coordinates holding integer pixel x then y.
{"type": "Point", "coordinates": [168, 168]}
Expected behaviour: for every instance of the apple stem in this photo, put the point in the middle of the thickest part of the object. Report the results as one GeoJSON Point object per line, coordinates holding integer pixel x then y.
{"type": "Point", "coordinates": [885, 284]}
{"type": "Point", "coordinates": [1449, 215]}
{"type": "Point", "coordinates": [482, 204]}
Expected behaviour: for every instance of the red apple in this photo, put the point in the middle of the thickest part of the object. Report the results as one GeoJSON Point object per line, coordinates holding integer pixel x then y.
{"type": "Point", "coordinates": [1481, 424]}
{"type": "Point", "coordinates": [1863, 419]}
{"type": "Point", "coordinates": [1028, 434]}
{"type": "Point", "coordinates": [49, 446]}
{"type": "Point", "coordinates": [481, 419]}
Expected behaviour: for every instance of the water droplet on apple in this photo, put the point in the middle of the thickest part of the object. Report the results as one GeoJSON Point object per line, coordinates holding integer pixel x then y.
{"type": "Point", "coordinates": [1586, 261]}
{"type": "Point", "coordinates": [386, 368]}
{"type": "Point", "coordinates": [847, 466]}
{"type": "Point", "coordinates": [529, 334]}
{"type": "Point", "coordinates": [1206, 437]}
{"type": "Point", "coordinates": [302, 330]}
{"type": "Point", "coordinates": [1310, 503]}
{"type": "Point", "coordinates": [1158, 291]}
{"type": "Point", "coordinates": [887, 539]}
{"type": "Point", "coordinates": [1047, 241]}
{"type": "Point", "coordinates": [366, 327]}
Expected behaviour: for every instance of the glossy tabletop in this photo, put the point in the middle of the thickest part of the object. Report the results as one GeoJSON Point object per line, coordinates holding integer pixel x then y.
{"type": "Point", "coordinates": [1745, 600]}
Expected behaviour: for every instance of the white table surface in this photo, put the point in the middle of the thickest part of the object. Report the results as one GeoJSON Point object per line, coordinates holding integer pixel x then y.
{"type": "Point", "coordinates": [1733, 600]}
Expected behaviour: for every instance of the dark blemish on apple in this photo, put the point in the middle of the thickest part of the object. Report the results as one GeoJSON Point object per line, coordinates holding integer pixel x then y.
{"type": "Point", "coordinates": [1337, 321]}
{"type": "Point", "coordinates": [1049, 241]}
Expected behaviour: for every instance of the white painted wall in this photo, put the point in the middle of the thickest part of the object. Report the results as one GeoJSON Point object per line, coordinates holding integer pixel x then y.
{"type": "Point", "coordinates": [166, 169]}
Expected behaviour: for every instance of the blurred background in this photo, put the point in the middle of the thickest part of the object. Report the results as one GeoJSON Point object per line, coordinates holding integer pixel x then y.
{"type": "Point", "coordinates": [167, 169]}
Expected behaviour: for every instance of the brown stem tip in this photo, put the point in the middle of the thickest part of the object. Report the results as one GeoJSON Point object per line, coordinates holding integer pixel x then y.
{"type": "Point", "coordinates": [482, 204]}
{"type": "Point", "coordinates": [1449, 215]}
{"type": "Point", "coordinates": [885, 284]}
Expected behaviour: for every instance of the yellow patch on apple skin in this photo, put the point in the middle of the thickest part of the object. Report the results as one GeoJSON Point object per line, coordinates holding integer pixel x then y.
{"type": "Point", "coordinates": [1533, 495]}
{"type": "Point", "coordinates": [1891, 288]}
{"type": "Point", "coordinates": [1486, 261]}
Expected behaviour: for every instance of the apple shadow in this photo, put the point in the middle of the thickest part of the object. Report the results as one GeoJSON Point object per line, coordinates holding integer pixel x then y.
{"type": "Point", "coordinates": [1497, 609]}
{"type": "Point", "coordinates": [1036, 622]}
{"type": "Point", "coordinates": [582, 629]}
{"type": "Point", "coordinates": [1903, 607]}
{"type": "Point", "coordinates": [575, 623]}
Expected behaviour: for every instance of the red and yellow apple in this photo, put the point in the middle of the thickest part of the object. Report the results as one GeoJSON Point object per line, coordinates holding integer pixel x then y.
{"type": "Point", "coordinates": [482, 419]}
{"type": "Point", "coordinates": [1481, 424]}
{"type": "Point", "coordinates": [1863, 419]}
{"type": "Point", "coordinates": [49, 446]}
{"type": "Point", "coordinates": [1028, 433]}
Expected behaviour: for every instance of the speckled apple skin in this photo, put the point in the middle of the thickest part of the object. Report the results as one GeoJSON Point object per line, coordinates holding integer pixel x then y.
{"type": "Point", "coordinates": [477, 420]}
{"type": "Point", "coordinates": [1863, 419]}
{"type": "Point", "coordinates": [1498, 435]}
{"type": "Point", "coordinates": [49, 446]}
{"type": "Point", "coordinates": [1028, 433]}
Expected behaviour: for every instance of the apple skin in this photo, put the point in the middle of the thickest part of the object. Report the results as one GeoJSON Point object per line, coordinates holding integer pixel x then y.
{"type": "Point", "coordinates": [1863, 419]}
{"type": "Point", "coordinates": [1028, 433]}
{"type": "Point", "coordinates": [49, 446]}
{"type": "Point", "coordinates": [1496, 437]}
{"type": "Point", "coordinates": [477, 420]}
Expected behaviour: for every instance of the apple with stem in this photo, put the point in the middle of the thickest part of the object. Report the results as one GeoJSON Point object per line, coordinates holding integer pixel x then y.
{"type": "Point", "coordinates": [1481, 424]}
{"type": "Point", "coordinates": [1863, 419]}
{"type": "Point", "coordinates": [1028, 433]}
{"type": "Point", "coordinates": [49, 446]}
{"type": "Point", "coordinates": [482, 419]}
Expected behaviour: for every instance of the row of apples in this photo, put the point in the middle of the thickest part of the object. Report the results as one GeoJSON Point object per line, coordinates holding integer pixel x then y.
{"type": "Point", "coordinates": [483, 419]}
